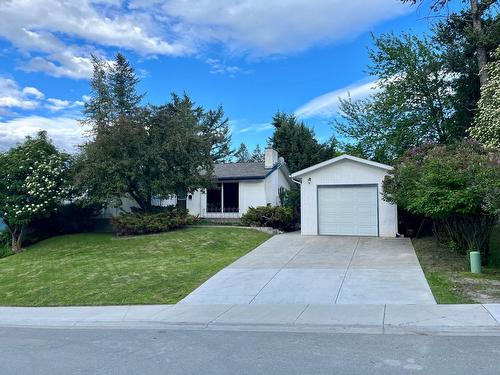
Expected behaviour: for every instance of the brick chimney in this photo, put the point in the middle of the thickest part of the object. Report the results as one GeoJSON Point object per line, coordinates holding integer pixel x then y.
{"type": "Point", "coordinates": [270, 157]}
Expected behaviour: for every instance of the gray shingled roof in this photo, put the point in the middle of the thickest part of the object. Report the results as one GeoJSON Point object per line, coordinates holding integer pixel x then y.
{"type": "Point", "coordinates": [241, 171]}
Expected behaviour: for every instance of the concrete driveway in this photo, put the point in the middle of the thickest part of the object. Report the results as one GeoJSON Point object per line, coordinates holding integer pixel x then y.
{"type": "Point", "coordinates": [295, 269]}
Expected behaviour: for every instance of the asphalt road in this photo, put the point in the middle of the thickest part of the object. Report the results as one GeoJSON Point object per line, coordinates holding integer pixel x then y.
{"type": "Point", "coordinates": [26, 351]}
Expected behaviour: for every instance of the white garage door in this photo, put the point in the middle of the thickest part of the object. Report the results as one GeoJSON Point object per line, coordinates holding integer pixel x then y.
{"type": "Point", "coordinates": [348, 210]}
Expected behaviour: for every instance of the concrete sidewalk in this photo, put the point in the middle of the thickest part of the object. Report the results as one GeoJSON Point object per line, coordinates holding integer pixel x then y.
{"type": "Point", "coordinates": [422, 319]}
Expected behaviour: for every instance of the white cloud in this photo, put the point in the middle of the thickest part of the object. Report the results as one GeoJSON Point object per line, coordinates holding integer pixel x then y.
{"type": "Point", "coordinates": [219, 67]}
{"type": "Point", "coordinates": [56, 105]}
{"type": "Point", "coordinates": [58, 36]}
{"type": "Point", "coordinates": [43, 27]}
{"type": "Point", "coordinates": [327, 105]}
{"type": "Point", "coordinates": [12, 96]}
{"type": "Point", "coordinates": [30, 98]}
{"type": "Point", "coordinates": [33, 91]}
{"type": "Point", "coordinates": [263, 27]}
{"type": "Point", "coordinates": [256, 128]}
{"type": "Point", "coordinates": [65, 132]}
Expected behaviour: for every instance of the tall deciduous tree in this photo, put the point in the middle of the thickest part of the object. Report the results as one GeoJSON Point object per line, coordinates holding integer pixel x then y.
{"type": "Point", "coordinates": [415, 102]}
{"type": "Point", "coordinates": [476, 11]}
{"type": "Point", "coordinates": [33, 183]}
{"type": "Point", "coordinates": [297, 143]}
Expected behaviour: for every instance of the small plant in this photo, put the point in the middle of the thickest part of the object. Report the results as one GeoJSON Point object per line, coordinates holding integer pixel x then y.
{"type": "Point", "coordinates": [277, 217]}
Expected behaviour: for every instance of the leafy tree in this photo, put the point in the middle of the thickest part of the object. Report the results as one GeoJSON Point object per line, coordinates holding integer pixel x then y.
{"type": "Point", "coordinates": [145, 152]}
{"type": "Point", "coordinates": [458, 186]}
{"type": "Point", "coordinates": [415, 103]}
{"type": "Point", "coordinates": [297, 143]}
{"type": "Point", "coordinates": [241, 154]}
{"type": "Point", "coordinates": [33, 183]}
{"type": "Point", "coordinates": [487, 128]}
{"type": "Point", "coordinates": [475, 19]}
{"type": "Point", "coordinates": [257, 154]}
{"type": "Point", "coordinates": [154, 152]}
{"type": "Point", "coordinates": [457, 46]}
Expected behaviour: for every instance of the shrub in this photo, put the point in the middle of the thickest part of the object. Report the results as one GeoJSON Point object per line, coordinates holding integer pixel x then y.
{"type": "Point", "coordinates": [457, 186]}
{"type": "Point", "coordinates": [277, 217]}
{"type": "Point", "coordinates": [160, 219]}
{"type": "Point", "coordinates": [291, 199]}
{"type": "Point", "coordinates": [5, 240]}
{"type": "Point", "coordinates": [68, 219]}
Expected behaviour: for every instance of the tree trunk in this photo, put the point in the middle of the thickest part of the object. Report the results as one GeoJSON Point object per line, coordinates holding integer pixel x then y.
{"type": "Point", "coordinates": [140, 201]}
{"type": "Point", "coordinates": [17, 234]}
{"type": "Point", "coordinates": [482, 57]}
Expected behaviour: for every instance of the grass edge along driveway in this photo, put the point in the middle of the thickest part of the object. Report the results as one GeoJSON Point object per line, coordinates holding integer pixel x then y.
{"type": "Point", "coordinates": [448, 275]}
{"type": "Point", "coordinates": [99, 269]}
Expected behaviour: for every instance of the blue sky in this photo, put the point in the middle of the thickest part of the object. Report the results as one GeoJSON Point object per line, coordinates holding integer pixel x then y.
{"type": "Point", "coordinates": [253, 57]}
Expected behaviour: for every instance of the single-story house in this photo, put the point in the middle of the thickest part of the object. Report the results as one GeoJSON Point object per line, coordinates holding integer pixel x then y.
{"type": "Point", "coordinates": [238, 187]}
{"type": "Point", "coordinates": [342, 196]}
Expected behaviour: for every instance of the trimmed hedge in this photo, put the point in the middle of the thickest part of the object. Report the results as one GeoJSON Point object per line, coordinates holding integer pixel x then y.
{"type": "Point", "coordinates": [157, 221]}
{"type": "Point", "coordinates": [277, 217]}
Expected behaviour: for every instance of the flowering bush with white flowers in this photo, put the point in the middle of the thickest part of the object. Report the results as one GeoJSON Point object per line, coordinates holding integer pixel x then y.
{"type": "Point", "coordinates": [33, 183]}
{"type": "Point", "coordinates": [487, 124]}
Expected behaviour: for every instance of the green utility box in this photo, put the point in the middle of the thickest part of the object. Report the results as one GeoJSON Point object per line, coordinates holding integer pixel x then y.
{"type": "Point", "coordinates": [475, 262]}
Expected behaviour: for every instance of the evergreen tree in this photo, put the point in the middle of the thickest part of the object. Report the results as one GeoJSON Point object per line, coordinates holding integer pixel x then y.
{"type": "Point", "coordinates": [97, 110]}
{"type": "Point", "coordinates": [122, 86]}
{"type": "Point", "coordinates": [156, 152]}
{"type": "Point", "coordinates": [216, 129]}
{"type": "Point", "coordinates": [257, 154]}
{"type": "Point", "coordinates": [293, 140]}
{"type": "Point", "coordinates": [241, 154]}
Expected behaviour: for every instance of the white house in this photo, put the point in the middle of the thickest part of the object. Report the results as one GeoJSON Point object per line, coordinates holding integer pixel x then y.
{"type": "Point", "coordinates": [238, 187]}
{"type": "Point", "coordinates": [342, 196]}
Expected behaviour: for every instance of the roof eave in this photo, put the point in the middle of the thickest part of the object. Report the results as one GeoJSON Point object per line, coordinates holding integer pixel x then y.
{"type": "Point", "coordinates": [337, 159]}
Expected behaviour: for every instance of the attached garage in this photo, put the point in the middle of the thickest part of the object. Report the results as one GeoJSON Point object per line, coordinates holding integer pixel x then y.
{"type": "Point", "coordinates": [342, 196]}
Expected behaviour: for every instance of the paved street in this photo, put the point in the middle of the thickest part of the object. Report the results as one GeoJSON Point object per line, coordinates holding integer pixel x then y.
{"type": "Point", "coordinates": [295, 269]}
{"type": "Point", "coordinates": [25, 351]}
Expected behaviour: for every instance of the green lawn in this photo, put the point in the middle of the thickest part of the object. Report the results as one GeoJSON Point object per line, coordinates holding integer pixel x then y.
{"type": "Point", "coordinates": [449, 278]}
{"type": "Point", "coordinates": [99, 269]}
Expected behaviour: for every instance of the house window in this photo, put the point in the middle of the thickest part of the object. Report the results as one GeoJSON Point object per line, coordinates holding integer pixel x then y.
{"type": "Point", "coordinates": [223, 197]}
{"type": "Point", "coordinates": [214, 199]}
{"type": "Point", "coordinates": [231, 197]}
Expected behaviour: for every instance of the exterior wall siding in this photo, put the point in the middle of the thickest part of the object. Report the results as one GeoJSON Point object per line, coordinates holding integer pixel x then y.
{"type": "Point", "coordinates": [344, 172]}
